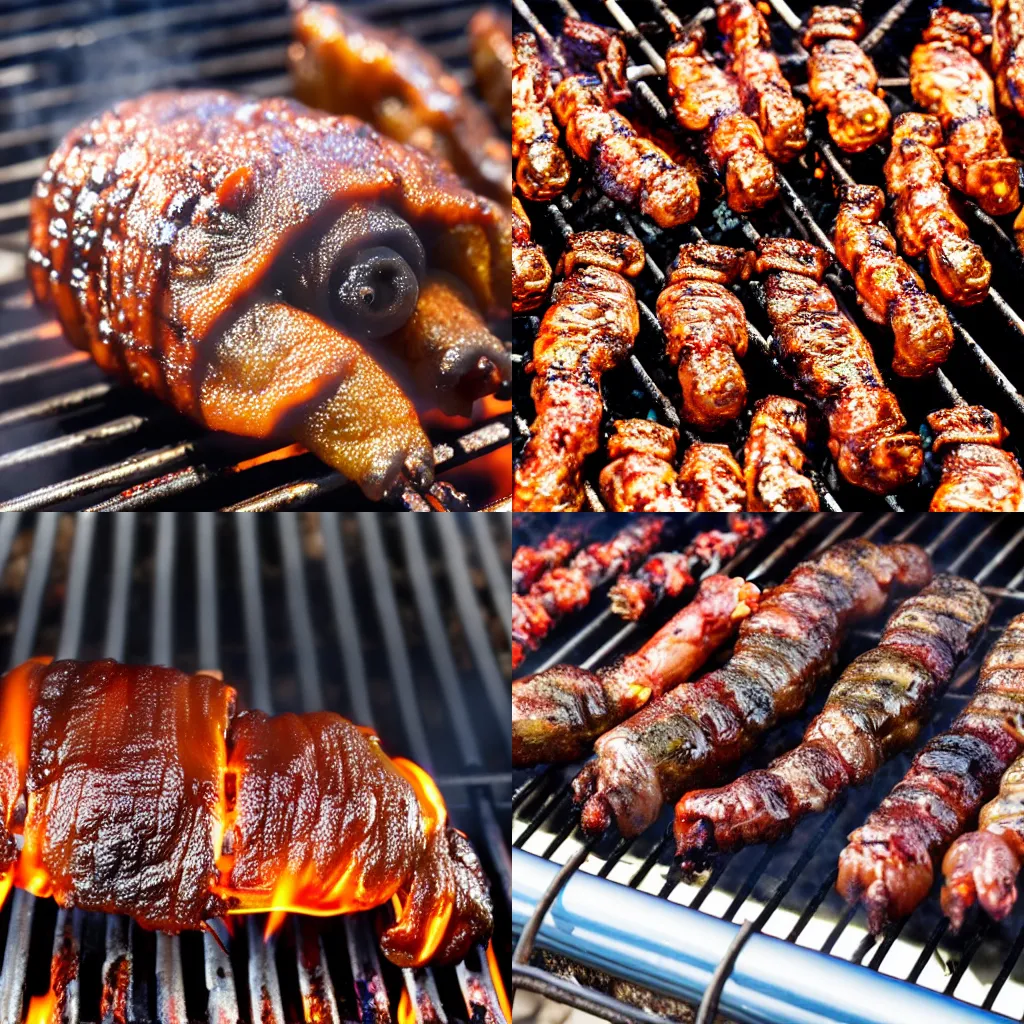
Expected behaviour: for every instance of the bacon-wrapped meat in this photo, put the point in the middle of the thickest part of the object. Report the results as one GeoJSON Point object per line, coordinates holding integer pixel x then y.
{"type": "Point", "coordinates": [876, 708]}
{"type": "Point", "coordinates": [529, 564]}
{"type": "Point", "coordinates": [948, 81]}
{"type": "Point", "coordinates": [542, 168]}
{"type": "Point", "coordinates": [774, 458]}
{"type": "Point", "coordinates": [588, 329]}
{"type": "Point", "coordinates": [491, 49]}
{"type": "Point", "coordinates": [842, 79]}
{"type": "Point", "coordinates": [558, 713]}
{"type": "Point", "coordinates": [889, 290]}
{"type": "Point", "coordinates": [890, 861]}
{"type": "Point", "coordinates": [977, 474]}
{"type": "Point", "coordinates": [531, 272]}
{"type": "Point", "coordinates": [1008, 52]}
{"type": "Point", "coordinates": [564, 590]}
{"type": "Point", "coordinates": [640, 476]}
{"type": "Point", "coordinates": [832, 363]}
{"type": "Point", "coordinates": [705, 329]}
{"type": "Point", "coordinates": [345, 66]}
{"type": "Point", "coordinates": [252, 304]}
{"type": "Point", "coordinates": [767, 96]}
{"type": "Point", "coordinates": [707, 100]}
{"type": "Point", "coordinates": [926, 222]}
{"type": "Point", "coordinates": [140, 790]}
{"type": "Point", "coordinates": [782, 652]}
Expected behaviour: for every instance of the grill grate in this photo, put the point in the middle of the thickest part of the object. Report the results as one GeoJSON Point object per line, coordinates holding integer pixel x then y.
{"type": "Point", "coordinates": [69, 437]}
{"type": "Point", "coordinates": [271, 600]}
{"type": "Point", "coordinates": [786, 888]}
{"type": "Point", "coordinates": [985, 375]}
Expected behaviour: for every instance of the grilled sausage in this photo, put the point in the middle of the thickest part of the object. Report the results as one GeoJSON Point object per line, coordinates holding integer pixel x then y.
{"type": "Point", "coordinates": [774, 458]}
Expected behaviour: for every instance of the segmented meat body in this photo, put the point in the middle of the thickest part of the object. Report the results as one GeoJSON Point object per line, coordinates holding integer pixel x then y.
{"type": "Point", "coordinates": [774, 459]}
{"type": "Point", "coordinates": [531, 272]}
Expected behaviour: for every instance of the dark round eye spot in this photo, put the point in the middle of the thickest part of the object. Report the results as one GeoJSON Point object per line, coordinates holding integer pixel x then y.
{"type": "Point", "coordinates": [373, 292]}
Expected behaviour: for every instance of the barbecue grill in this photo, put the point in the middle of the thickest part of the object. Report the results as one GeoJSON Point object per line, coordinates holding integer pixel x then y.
{"type": "Point", "coordinates": [272, 601]}
{"type": "Point", "coordinates": [982, 368]}
{"type": "Point", "coordinates": [69, 436]}
{"type": "Point", "coordinates": [627, 937]}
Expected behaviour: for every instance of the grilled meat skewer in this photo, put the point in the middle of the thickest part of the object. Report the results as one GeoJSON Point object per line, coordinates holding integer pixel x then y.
{"type": "Point", "coordinates": [890, 861]}
{"type": "Point", "coordinates": [492, 53]}
{"type": "Point", "coordinates": [977, 475]}
{"type": "Point", "coordinates": [640, 476]}
{"type": "Point", "coordinates": [707, 100]}
{"type": "Point", "coordinates": [833, 364]}
{"type": "Point", "coordinates": [566, 589]}
{"type": "Point", "coordinates": [142, 790]}
{"type": "Point", "coordinates": [843, 80]}
{"type": "Point", "coordinates": [782, 652]}
{"type": "Point", "coordinates": [876, 708]}
{"type": "Point", "coordinates": [712, 478]}
{"type": "Point", "coordinates": [529, 564]}
{"type": "Point", "coordinates": [589, 328]}
{"type": "Point", "coordinates": [1008, 52]}
{"type": "Point", "coordinates": [558, 713]}
{"type": "Point", "coordinates": [774, 458]}
{"type": "Point", "coordinates": [531, 272]}
{"type": "Point", "coordinates": [889, 290]}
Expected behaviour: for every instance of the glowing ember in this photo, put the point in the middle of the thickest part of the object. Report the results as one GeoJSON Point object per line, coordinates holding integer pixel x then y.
{"type": "Point", "coordinates": [498, 982]}
{"type": "Point", "coordinates": [43, 1009]}
{"type": "Point", "coordinates": [406, 1010]}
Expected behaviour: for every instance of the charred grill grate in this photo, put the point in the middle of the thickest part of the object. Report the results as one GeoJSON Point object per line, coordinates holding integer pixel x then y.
{"type": "Point", "coordinates": [70, 437]}
{"type": "Point", "coordinates": [274, 602]}
{"type": "Point", "coordinates": [977, 372]}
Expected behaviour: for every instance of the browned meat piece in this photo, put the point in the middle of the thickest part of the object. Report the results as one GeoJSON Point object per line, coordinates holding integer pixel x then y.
{"type": "Point", "coordinates": [774, 458]}
{"type": "Point", "coordinates": [529, 564]}
{"type": "Point", "coordinates": [889, 290]}
{"type": "Point", "coordinates": [832, 363]}
{"type": "Point", "coordinates": [842, 79]}
{"type": "Point", "coordinates": [889, 864]}
{"type": "Point", "coordinates": [595, 47]}
{"type": "Point", "coordinates": [711, 478]}
{"type": "Point", "coordinates": [531, 272]}
{"type": "Point", "coordinates": [977, 475]}
{"type": "Point", "coordinates": [640, 476]}
{"type": "Point", "coordinates": [558, 713]}
{"type": "Point", "coordinates": [876, 708]}
{"type": "Point", "coordinates": [782, 652]}
{"type": "Point", "coordinates": [490, 43]}
{"type": "Point", "coordinates": [588, 329]}
{"type": "Point", "coordinates": [1008, 51]}
{"type": "Point", "coordinates": [705, 329]}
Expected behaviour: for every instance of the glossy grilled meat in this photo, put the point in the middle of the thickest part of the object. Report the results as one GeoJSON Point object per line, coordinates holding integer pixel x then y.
{"type": "Point", "coordinates": [842, 79]}
{"type": "Point", "coordinates": [148, 795]}
{"type": "Point", "coordinates": [267, 256]}
{"type": "Point", "coordinates": [566, 589]}
{"type": "Point", "coordinates": [345, 66]}
{"type": "Point", "coordinates": [832, 363]}
{"type": "Point", "coordinates": [705, 329]}
{"type": "Point", "coordinates": [774, 458]}
{"type": "Point", "coordinates": [977, 475]}
{"type": "Point", "coordinates": [889, 290]}
{"type": "Point", "coordinates": [782, 652]}
{"type": "Point", "coordinates": [558, 713]}
{"type": "Point", "coordinates": [876, 708]}
{"type": "Point", "coordinates": [948, 81]}
{"type": "Point", "coordinates": [890, 861]}
{"type": "Point", "coordinates": [640, 476]}
{"type": "Point", "coordinates": [531, 272]}
{"type": "Point", "coordinates": [529, 563]}
{"type": "Point", "coordinates": [767, 96]}
{"type": "Point", "coordinates": [712, 479]}
{"type": "Point", "coordinates": [926, 222]}
{"type": "Point", "coordinates": [542, 168]}
{"type": "Point", "coordinates": [589, 328]}
{"type": "Point", "coordinates": [492, 53]}
{"type": "Point", "coordinates": [1008, 52]}
{"type": "Point", "coordinates": [707, 100]}
{"type": "Point", "coordinates": [592, 46]}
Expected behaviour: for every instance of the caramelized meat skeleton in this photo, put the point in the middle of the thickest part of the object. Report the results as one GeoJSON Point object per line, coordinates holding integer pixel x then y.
{"type": "Point", "coordinates": [774, 458]}
{"type": "Point", "coordinates": [140, 790]}
{"type": "Point", "coordinates": [531, 272]}
{"type": "Point", "coordinates": [589, 328]}
{"type": "Point", "coordinates": [490, 46]}
{"type": "Point", "coordinates": [266, 257]}
{"type": "Point", "coordinates": [832, 363]}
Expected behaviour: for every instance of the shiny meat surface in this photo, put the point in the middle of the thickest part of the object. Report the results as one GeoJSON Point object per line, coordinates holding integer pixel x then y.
{"type": "Point", "coordinates": [1008, 52]}
{"type": "Point", "coordinates": [774, 458]}
{"type": "Point", "coordinates": [641, 476]}
{"type": "Point", "coordinates": [531, 272]}
{"type": "Point", "coordinates": [491, 50]}
{"type": "Point", "coordinates": [529, 563]}
{"type": "Point", "coordinates": [712, 479]}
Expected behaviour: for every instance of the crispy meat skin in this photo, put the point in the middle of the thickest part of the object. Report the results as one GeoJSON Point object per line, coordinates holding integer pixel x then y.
{"type": "Point", "coordinates": [712, 478]}
{"type": "Point", "coordinates": [1008, 51]}
{"type": "Point", "coordinates": [345, 66]}
{"type": "Point", "coordinates": [977, 475]}
{"type": "Point", "coordinates": [888, 289]}
{"type": "Point", "coordinates": [529, 564]}
{"type": "Point", "coordinates": [948, 81]}
{"type": "Point", "coordinates": [774, 457]}
{"type": "Point", "coordinates": [589, 328]}
{"type": "Point", "coordinates": [542, 168]}
{"type": "Point", "coordinates": [705, 329]}
{"type": "Point", "coordinates": [568, 588]}
{"type": "Point", "coordinates": [767, 95]}
{"type": "Point", "coordinates": [833, 364]}
{"type": "Point", "coordinates": [876, 708]}
{"type": "Point", "coordinates": [531, 272]}
{"type": "Point", "coordinates": [490, 45]}
{"type": "Point", "coordinates": [640, 476]}
{"type": "Point", "coordinates": [925, 220]}
{"type": "Point", "coordinates": [558, 713]}
{"type": "Point", "coordinates": [890, 861]}
{"type": "Point", "coordinates": [781, 654]}
{"type": "Point", "coordinates": [842, 79]}
{"type": "Point", "coordinates": [707, 100]}
{"type": "Point", "coordinates": [125, 810]}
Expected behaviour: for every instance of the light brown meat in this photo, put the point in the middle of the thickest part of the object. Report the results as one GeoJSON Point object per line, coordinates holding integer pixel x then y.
{"type": "Point", "coordinates": [531, 272]}
{"type": "Point", "coordinates": [712, 478]}
{"type": "Point", "coordinates": [774, 458]}
{"type": "Point", "coordinates": [1008, 52]}
{"type": "Point", "coordinates": [492, 53]}
{"type": "Point", "coordinates": [641, 476]}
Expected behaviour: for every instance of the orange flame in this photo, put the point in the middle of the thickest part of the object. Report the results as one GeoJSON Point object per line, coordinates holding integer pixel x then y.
{"type": "Point", "coordinates": [6, 881]}
{"type": "Point", "coordinates": [406, 1010]}
{"type": "Point", "coordinates": [287, 896]}
{"type": "Point", "coordinates": [432, 804]}
{"type": "Point", "coordinates": [498, 982]}
{"type": "Point", "coordinates": [43, 1009]}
